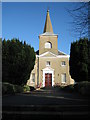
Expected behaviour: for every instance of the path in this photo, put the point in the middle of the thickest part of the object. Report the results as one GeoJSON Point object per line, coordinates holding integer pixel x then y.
{"type": "Point", "coordinates": [45, 102]}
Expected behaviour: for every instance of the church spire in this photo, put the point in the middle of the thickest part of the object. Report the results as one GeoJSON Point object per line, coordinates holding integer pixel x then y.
{"type": "Point", "coordinates": [48, 25]}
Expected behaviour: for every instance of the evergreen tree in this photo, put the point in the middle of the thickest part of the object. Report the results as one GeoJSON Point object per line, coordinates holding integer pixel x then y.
{"type": "Point", "coordinates": [18, 60]}
{"type": "Point", "coordinates": [79, 60]}
{"type": "Point", "coordinates": [89, 60]}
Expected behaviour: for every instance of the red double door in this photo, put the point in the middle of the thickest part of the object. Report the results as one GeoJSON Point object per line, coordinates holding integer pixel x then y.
{"type": "Point", "coordinates": [48, 79]}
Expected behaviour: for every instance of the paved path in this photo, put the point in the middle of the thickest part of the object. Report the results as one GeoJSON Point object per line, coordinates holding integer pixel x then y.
{"type": "Point", "coordinates": [45, 104]}
{"type": "Point", "coordinates": [45, 97]}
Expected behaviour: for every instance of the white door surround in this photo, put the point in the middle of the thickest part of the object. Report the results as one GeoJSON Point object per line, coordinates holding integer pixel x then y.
{"type": "Point", "coordinates": [48, 70]}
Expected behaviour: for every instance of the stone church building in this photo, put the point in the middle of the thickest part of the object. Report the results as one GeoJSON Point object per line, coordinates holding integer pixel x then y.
{"type": "Point", "coordinates": [51, 66]}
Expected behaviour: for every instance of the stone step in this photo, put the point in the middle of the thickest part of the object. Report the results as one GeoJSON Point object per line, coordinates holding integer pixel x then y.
{"type": "Point", "coordinates": [37, 112]}
{"type": "Point", "coordinates": [33, 115]}
{"type": "Point", "coordinates": [53, 108]}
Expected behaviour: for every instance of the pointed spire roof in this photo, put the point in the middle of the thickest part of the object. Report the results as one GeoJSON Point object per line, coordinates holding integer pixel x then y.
{"type": "Point", "coordinates": [48, 25]}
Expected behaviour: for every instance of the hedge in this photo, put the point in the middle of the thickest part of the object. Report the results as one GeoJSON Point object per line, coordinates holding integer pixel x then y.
{"type": "Point", "coordinates": [26, 88]}
{"type": "Point", "coordinates": [84, 88]}
{"type": "Point", "coordinates": [81, 87]}
{"type": "Point", "coordinates": [8, 88]}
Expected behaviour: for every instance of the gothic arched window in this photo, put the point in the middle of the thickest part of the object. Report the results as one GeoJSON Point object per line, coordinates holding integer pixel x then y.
{"type": "Point", "coordinates": [48, 45]}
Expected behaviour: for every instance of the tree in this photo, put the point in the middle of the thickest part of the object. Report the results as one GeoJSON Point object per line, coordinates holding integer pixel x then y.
{"type": "Point", "coordinates": [89, 60]}
{"type": "Point", "coordinates": [81, 19]}
{"type": "Point", "coordinates": [0, 65]}
{"type": "Point", "coordinates": [80, 60]}
{"type": "Point", "coordinates": [18, 60]}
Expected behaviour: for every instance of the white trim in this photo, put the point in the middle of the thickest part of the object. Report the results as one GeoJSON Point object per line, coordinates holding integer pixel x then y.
{"type": "Point", "coordinates": [48, 34]}
{"type": "Point", "coordinates": [63, 65]}
{"type": "Point", "coordinates": [48, 70]}
{"type": "Point", "coordinates": [54, 56]}
{"type": "Point", "coordinates": [62, 56]}
{"type": "Point", "coordinates": [62, 52]}
{"type": "Point", "coordinates": [47, 53]}
{"type": "Point", "coordinates": [37, 56]}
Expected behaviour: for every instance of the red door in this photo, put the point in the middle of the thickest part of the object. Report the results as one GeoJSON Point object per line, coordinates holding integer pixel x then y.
{"type": "Point", "coordinates": [48, 80]}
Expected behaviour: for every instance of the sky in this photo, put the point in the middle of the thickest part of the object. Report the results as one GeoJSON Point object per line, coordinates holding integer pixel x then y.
{"type": "Point", "coordinates": [26, 20]}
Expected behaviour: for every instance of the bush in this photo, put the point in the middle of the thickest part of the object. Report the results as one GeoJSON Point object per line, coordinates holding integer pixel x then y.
{"type": "Point", "coordinates": [7, 88]}
{"type": "Point", "coordinates": [69, 88]}
{"type": "Point", "coordinates": [82, 90]}
{"type": "Point", "coordinates": [18, 89]}
{"type": "Point", "coordinates": [26, 88]}
{"type": "Point", "coordinates": [83, 84]}
{"type": "Point", "coordinates": [83, 87]}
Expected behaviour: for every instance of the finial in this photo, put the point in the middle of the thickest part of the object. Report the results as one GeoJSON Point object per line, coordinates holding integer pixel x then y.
{"type": "Point", "coordinates": [48, 9]}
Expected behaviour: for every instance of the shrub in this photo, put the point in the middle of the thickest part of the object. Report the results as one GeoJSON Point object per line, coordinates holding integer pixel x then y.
{"type": "Point", "coordinates": [76, 87]}
{"type": "Point", "coordinates": [82, 90]}
{"type": "Point", "coordinates": [69, 88]}
{"type": "Point", "coordinates": [83, 84]}
{"type": "Point", "coordinates": [26, 88]}
{"type": "Point", "coordinates": [17, 89]}
{"type": "Point", "coordinates": [62, 87]}
{"type": "Point", "coordinates": [7, 88]}
{"type": "Point", "coordinates": [83, 87]}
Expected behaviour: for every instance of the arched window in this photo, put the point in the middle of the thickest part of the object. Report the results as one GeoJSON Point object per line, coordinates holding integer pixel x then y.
{"type": "Point", "coordinates": [48, 45]}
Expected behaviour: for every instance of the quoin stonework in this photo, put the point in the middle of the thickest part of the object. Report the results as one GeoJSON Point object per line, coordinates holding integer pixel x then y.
{"type": "Point", "coordinates": [51, 66]}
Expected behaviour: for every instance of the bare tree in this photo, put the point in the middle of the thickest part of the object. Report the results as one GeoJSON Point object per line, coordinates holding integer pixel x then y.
{"type": "Point", "coordinates": [81, 19]}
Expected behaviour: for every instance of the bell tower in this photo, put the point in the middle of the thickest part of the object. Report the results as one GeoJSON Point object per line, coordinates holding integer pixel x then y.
{"type": "Point", "coordinates": [48, 40]}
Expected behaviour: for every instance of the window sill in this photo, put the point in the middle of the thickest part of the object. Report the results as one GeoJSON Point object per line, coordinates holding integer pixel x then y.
{"type": "Point", "coordinates": [63, 82]}
{"type": "Point", "coordinates": [63, 65]}
{"type": "Point", "coordinates": [47, 65]}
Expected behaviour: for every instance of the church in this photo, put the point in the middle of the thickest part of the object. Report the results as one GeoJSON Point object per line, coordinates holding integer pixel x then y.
{"type": "Point", "coordinates": [51, 66]}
